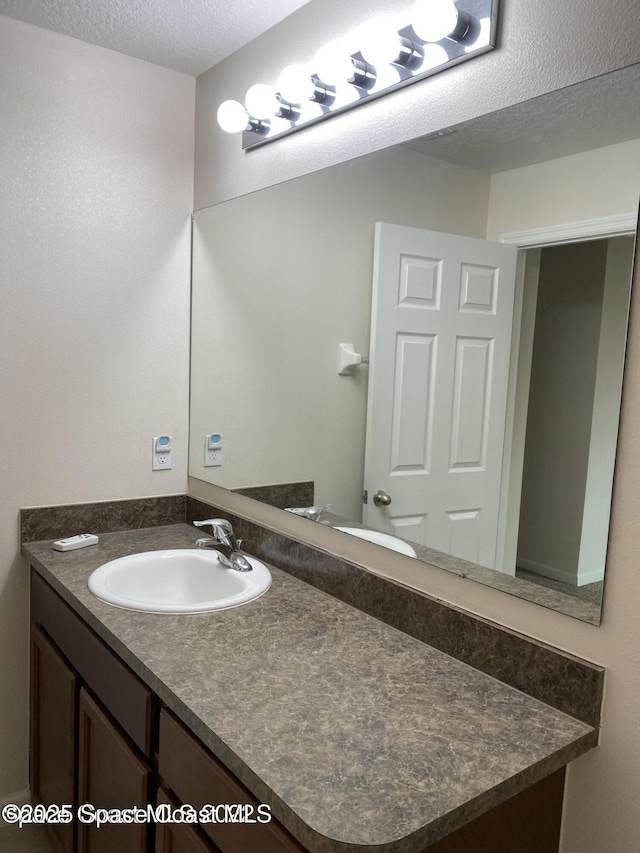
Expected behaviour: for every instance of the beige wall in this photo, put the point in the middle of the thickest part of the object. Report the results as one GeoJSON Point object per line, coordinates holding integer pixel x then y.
{"type": "Point", "coordinates": [599, 183]}
{"type": "Point", "coordinates": [268, 312]}
{"type": "Point", "coordinates": [561, 403]}
{"type": "Point", "coordinates": [543, 47]}
{"type": "Point", "coordinates": [279, 304]}
{"type": "Point", "coordinates": [581, 320]}
{"type": "Point", "coordinates": [96, 167]}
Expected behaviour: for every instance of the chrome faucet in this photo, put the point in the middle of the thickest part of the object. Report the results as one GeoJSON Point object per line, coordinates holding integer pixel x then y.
{"type": "Point", "coordinates": [311, 512]}
{"type": "Point", "coordinates": [225, 543]}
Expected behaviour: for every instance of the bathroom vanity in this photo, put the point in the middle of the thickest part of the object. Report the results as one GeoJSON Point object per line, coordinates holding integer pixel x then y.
{"type": "Point", "coordinates": [351, 734]}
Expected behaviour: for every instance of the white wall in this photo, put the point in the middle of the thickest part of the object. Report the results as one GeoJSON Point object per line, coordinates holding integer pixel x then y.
{"type": "Point", "coordinates": [543, 46]}
{"type": "Point", "coordinates": [96, 167]}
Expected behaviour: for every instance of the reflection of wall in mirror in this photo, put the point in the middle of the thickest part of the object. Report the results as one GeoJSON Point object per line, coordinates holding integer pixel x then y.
{"type": "Point", "coordinates": [290, 278]}
{"type": "Point", "coordinates": [576, 376]}
{"type": "Point", "coordinates": [312, 425]}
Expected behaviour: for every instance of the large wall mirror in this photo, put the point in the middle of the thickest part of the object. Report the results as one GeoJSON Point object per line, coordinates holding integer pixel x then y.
{"type": "Point", "coordinates": [485, 271]}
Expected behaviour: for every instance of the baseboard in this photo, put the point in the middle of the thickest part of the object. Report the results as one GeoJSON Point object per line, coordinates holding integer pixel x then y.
{"type": "Point", "coordinates": [547, 571]}
{"type": "Point", "coordinates": [585, 578]}
{"type": "Point", "coordinates": [561, 575]}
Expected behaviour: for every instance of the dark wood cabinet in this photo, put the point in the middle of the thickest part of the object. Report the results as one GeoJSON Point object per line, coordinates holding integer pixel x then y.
{"type": "Point", "coordinates": [81, 754]}
{"type": "Point", "coordinates": [110, 776]}
{"type": "Point", "coordinates": [528, 822]}
{"type": "Point", "coordinates": [118, 689]}
{"type": "Point", "coordinates": [99, 737]}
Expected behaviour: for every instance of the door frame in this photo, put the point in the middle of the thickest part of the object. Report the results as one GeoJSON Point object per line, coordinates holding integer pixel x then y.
{"type": "Point", "coordinates": [600, 228]}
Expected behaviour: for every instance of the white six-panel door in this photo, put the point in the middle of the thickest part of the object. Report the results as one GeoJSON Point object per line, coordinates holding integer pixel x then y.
{"type": "Point", "coordinates": [439, 367]}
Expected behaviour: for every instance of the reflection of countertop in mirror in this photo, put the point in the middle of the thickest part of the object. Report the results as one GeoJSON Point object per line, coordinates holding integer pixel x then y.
{"type": "Point", "coordinates": [330, 716]}
{"type": "Point", "coordinates": [579, 608]}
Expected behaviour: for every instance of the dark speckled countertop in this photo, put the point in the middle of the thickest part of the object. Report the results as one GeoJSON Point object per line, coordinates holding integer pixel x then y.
{"type": "Point", "coordinates": [358, 736]}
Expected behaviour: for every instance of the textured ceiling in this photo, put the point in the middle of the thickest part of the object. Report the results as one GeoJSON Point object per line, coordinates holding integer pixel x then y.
{"type": "Point", "coordinates": [186, 35]}
{"type": "Point", "coordinates": [592, 114]}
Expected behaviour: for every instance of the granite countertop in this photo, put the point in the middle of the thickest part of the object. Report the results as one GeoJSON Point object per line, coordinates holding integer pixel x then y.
{"type": "Point", "coordinates": [358, 736]}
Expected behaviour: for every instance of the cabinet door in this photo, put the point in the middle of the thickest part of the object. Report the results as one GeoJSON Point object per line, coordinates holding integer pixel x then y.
{"type": "Point", "coordinates": [179, 837]}
{"type": "Point", "coordinates": [54, 709]}
{"type": "Point", "coordinates": [110, 776]}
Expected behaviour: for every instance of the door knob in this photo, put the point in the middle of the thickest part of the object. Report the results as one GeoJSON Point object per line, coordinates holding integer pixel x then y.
{"type": "Point", "coordinates": [381, 498]}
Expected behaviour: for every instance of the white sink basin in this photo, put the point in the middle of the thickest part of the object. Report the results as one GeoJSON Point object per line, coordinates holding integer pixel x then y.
{"type": "Point", "coordinates": [378, 538]}
{"type": "Point", "coordinates": [180, 581]}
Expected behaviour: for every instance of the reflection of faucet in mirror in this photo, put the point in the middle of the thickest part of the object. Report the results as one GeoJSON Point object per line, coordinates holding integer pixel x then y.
{"type": "Point", "coordinates": [225, 543]}
{"type": "Point", "coordinates": [313, 513]}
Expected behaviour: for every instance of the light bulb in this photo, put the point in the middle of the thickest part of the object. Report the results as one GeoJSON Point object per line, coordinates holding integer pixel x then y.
{"type": "Point", "coordinates": [433, 20]}
{"type": "Point", "coordinates": [295, 84]}
{"type": "Point", "coordinates": [232, 116]}
{"type": "Point", "coordinates": [379, 42]}
{"type": "Point", "coordinates": [483, 37]}
{"type": "Point", "coordinates": [333, 64]}
{"type": "Point", "coordinates": [434, 55]}
{"type": "Point", "coordinates": [261, 101]}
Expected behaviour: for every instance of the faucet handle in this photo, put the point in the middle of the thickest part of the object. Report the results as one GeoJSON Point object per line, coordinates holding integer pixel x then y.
{"type": "Point", "coordinates": [221, 530]}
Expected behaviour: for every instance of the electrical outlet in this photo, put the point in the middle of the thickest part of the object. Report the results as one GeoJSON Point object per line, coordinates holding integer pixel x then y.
{"type": "Point", "coordinates": [161, 453]}
{"type": "Point", "coordinates": [213, 450]}
{"type": "Point", "coordinates": [213, 458]}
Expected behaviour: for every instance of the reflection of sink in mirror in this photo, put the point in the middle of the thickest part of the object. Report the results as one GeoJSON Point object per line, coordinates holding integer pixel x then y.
{"type": "Point", "coordinates": [179, 581]}
{"type": "Point", "coordinates": [379, 538]}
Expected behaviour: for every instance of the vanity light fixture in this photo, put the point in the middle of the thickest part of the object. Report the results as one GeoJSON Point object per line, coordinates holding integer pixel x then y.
{"type": "Point", "coordinates": [437, 35]}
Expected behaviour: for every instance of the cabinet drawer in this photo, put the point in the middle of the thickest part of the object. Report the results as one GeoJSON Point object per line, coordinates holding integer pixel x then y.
{"type": "Point", "coordinates": [197, 778]}
{"type": "Point", "coordinates": [120, 691]}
